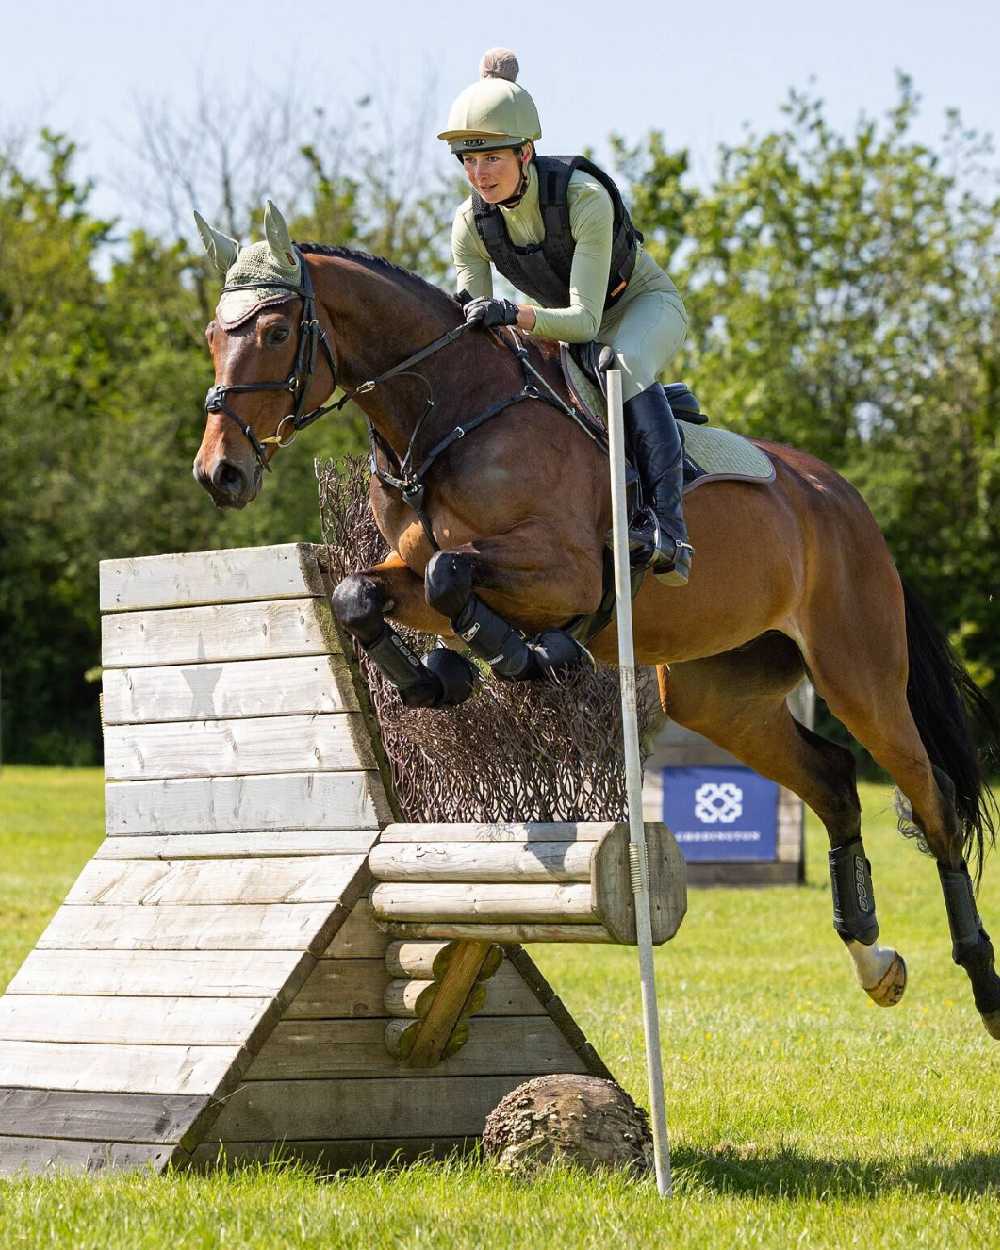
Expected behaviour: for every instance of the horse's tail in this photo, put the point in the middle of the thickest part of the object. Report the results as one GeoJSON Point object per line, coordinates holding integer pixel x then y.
{"type": "Point", "coordinates": [957, 724]}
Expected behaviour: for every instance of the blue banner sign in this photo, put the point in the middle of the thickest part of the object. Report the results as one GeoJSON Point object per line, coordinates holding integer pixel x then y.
{"type": "Point", "coordinates": [721, 813]}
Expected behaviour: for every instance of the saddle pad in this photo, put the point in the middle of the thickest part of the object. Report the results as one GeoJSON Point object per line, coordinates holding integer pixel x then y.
{"type": "Point", "coordinates": [721, 455]}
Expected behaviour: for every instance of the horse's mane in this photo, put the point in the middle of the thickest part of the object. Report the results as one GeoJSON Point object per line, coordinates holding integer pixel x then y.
{"type": "Point", "coordinates": [419, 284]}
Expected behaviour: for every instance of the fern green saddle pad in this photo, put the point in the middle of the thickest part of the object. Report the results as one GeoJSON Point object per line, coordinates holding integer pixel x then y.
{"type": "Point", "coordinates": [720, 454]}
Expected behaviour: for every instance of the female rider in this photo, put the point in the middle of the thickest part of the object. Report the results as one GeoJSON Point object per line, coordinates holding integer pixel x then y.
{"type": "Point", "coordinates": [557, 229]}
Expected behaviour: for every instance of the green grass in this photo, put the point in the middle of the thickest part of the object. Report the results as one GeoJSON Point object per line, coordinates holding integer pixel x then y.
{"type": "Point", "coordinates": [800, 1113]}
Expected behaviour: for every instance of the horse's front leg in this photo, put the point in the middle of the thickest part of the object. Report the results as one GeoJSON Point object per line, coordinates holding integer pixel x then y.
{"type": "Point", "coordinates": [361, 604]}
{"type": "Point", "coordinates": [541, 594]}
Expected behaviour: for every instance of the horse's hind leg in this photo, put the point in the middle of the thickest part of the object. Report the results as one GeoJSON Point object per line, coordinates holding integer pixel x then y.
{"type": "Point", "coordinates": [361, 604]}
{"type": "Point", "coordinates": [737, 699]}
{"type": "Point", "coordinates": [863, 674]}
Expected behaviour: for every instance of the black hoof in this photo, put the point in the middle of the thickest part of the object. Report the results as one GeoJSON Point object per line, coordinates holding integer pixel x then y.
{"type": "Point", "coordinates": [358, 604]}
{"type": "Point", "coordinates": [455, 673]}
{"type": "Point", "coordinates": [555, 651]}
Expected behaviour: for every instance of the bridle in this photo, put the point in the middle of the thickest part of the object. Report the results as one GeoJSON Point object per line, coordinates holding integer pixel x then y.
{"type": "Point", "coordinates": [409, 478]}
{"type": "Point", "coordinates": [311, 337]}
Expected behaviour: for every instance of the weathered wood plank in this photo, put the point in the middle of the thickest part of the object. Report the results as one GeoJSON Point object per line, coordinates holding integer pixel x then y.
{"type": "Point", "coordinates": [400, 902]}
{"type": "Point", "coordinates": [285, 570]}
{"type": "Point", "coordinates": [318, 1049]}
{"type": "Point", "coordinates": [184, 692]}
{"type": "Point", "coordinates": [181, 973]}
{"type": "Point", "coordinates": [34, 1156]}
{"type": "Point", "coordinates": [499, 831]}
{"type": "Point", "coordinates": [297, 879]}
{"type": "Point", "coordinates": [241, 927]}
{"type": "Point", "coordinates": [385, 1106]}
{"type": "Point", "coordinates": [123, 1069]}
{"type": "Point", "coordinates": [478, 861]}
{"type": "Point", "coordinates": [264, 844]}
{"type": "Point", "coordinates": [358, 937]}
{"type": "Point", "coordinates": [235, 631]}
{"type": "Point", "coordinates": [342, 988]}
{"type": "Point", "coordinates": [232, 804]}
{"type": "Point", "coordinates": [129, 1020]}
{"type": "Point", "coordinates": [98, 1117]}
{"type": "Point", "coordinates": [237, 748]}
{"type": "Point", "coordinates": [356, 988]}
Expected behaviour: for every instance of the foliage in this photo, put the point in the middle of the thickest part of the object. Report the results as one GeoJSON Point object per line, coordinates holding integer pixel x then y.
{"type": "Point", "coordinates": [844, 297]}
{"type": "Point", "coordinates": [843, 290]}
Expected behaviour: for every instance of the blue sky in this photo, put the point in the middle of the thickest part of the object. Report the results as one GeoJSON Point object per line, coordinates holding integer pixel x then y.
{"type": "Point", "coordinates": [697, 71]}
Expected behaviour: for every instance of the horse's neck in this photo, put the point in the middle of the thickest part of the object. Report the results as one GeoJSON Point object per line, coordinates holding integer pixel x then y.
{"type": "Point", "coordinates": [380, 318]}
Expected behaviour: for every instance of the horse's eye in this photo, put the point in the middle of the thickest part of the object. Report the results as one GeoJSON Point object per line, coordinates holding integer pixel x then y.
{"type": "Point", "coordinates": [276, 336]}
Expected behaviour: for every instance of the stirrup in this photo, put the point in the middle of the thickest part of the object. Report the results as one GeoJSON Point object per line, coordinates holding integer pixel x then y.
{"type": "Point", "coordinates": [649, 550]}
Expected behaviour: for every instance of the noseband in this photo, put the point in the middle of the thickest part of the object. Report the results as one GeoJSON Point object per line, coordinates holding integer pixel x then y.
{"type": "Point", "coordinates": [311, 336]}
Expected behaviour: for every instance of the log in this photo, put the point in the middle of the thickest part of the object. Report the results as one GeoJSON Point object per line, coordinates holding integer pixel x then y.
{"type": "Point", "coordinates": [428, 960]}
{"type": "Point", "coordinates": [505, 934]}
{"type": "Point", "coordinates": [483, 904]}
{"type": "Point", "coordinates": [499, 831]}
{"type": "Point", "coordinates": [487, 862]}
{"type": "Point", "coordinates": [413, 999]}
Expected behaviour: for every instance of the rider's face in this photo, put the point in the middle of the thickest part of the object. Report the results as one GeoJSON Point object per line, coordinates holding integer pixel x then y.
{"type": "Point", "coordinates": [495, 175]}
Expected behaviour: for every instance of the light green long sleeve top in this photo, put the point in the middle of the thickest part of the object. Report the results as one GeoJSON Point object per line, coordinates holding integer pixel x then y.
{"type": "Point", "coordinates": [591, 218]}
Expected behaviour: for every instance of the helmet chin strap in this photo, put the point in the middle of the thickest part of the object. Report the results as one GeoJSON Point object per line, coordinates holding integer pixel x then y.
{"type": "Point", "coordinates": [512, 201]}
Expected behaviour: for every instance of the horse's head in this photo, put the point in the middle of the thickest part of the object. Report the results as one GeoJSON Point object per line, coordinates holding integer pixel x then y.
{"type": "Point", "coordinates": [264, 342]}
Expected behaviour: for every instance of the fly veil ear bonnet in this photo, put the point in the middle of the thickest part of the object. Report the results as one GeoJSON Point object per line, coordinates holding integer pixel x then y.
{"type": "Point", "coordinates": [259, 274]}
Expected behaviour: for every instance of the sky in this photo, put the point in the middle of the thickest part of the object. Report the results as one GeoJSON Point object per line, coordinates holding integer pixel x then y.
{"type": "Point", "coordinates": [698, 71]}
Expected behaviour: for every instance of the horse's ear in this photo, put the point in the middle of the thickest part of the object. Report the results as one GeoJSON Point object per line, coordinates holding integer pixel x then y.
{"type": "Point", "coordinates": [220, 247]}
{"type": "Point", "coordinates": [278, 240]}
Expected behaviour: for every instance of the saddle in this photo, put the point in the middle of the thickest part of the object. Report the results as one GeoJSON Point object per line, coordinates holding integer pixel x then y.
{"type": "Point", "coordinates": [710, 454]}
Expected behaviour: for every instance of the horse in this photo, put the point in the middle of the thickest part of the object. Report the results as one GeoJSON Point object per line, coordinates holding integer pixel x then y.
{"type": "Point", "coordinates": [498, 541]}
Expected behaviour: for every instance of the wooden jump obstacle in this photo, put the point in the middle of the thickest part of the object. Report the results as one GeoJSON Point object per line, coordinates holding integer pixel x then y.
{"type": "Point", "coordinates": [222, 983]}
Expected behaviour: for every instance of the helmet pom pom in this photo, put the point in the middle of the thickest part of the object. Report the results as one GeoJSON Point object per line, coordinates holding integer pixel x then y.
{"type": "Point", "coordinates": [499, 63]}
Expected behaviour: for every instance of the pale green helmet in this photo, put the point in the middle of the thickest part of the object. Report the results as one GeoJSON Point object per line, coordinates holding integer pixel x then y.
{"type": "Point", "coordinates": [494, 112]}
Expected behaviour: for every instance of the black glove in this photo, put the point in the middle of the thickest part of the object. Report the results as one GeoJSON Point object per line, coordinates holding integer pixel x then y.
{"type": "Point", "coordinates": [486, 313]}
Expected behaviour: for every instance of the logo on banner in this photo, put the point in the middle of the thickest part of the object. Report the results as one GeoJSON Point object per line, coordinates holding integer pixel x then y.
{"type": "Point", "coordinates": [718, 802]}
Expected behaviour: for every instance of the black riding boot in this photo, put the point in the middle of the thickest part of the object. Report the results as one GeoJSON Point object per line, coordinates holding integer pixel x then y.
{"type": "Point", "coordinates": [659, 537]}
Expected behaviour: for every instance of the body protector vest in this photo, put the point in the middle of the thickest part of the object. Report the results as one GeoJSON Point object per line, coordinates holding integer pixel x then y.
{"type": "Point", "coordinates": [542, 270]}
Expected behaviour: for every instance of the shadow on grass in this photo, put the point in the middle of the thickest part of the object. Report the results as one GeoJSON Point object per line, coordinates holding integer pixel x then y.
{"type": "Point", "coordinates": [787, 1173]}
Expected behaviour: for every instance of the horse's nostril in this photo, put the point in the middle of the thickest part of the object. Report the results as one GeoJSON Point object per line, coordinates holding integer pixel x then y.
{"type": "Point", "coordinates": [229, 478]}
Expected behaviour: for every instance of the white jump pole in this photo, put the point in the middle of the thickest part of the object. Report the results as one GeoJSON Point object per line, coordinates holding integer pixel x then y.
{"type": "Point", "coordinates": [633, 779]}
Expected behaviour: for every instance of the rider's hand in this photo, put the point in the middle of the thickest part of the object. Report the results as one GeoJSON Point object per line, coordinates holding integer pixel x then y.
{"type": "Point", "coordinates": [486, 313]}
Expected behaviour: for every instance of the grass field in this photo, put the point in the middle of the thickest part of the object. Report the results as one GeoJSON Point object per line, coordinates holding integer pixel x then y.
{"type": "Point", "coordinates": [800, 1114]}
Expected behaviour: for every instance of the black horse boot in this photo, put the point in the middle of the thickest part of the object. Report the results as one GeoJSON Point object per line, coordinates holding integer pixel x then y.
{"type": "Point", "coordinates": [659, 537]}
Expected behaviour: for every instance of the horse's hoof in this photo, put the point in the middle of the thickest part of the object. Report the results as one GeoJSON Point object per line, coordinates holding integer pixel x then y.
{"type": "Point", "coordinates": [890, 989]}
{"type": "Point", "coordinates": [992, 1021]}
{"type": "Point", "coordinates": [455, 673]}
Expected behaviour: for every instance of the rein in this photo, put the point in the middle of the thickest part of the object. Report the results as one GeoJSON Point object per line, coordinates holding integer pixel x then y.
{"type": "Point", "coordinates": [409, 481]}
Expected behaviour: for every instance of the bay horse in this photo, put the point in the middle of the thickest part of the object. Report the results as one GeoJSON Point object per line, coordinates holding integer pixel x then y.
{"type": "Point", "coordinates": [499, 541]}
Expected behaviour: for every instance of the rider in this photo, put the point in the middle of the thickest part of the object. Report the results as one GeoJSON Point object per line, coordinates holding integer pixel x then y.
{"type": "Point", "coordinates": [557, 229]}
